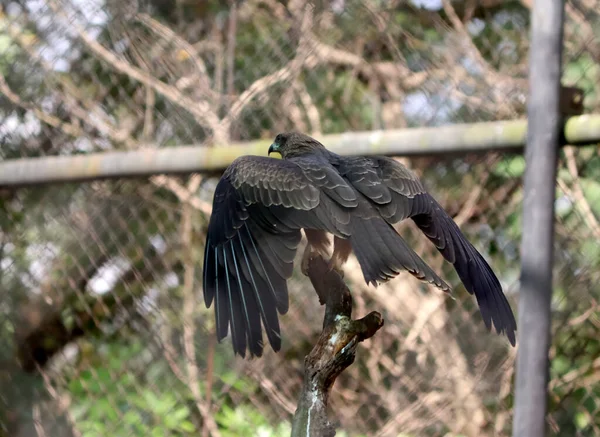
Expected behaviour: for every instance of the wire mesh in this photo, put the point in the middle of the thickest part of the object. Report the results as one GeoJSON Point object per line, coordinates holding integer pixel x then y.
{"type": "Point", "coordinates": [104, 331]}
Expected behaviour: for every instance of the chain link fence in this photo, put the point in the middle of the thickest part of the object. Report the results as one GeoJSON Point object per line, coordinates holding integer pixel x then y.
{"type": "Point", "coordinates": [103, 330]}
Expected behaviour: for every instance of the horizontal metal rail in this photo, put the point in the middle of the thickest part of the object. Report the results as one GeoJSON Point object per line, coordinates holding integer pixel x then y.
{"type": "Point", "coordinates": [451, 139]}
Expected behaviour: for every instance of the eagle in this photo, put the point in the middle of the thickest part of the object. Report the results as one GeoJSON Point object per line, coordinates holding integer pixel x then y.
{"type": "Point", "coordinates": [262, 205]}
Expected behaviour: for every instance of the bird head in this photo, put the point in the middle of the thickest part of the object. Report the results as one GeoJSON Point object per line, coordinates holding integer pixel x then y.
{"type": "Point", "coordinates": [290, 144]}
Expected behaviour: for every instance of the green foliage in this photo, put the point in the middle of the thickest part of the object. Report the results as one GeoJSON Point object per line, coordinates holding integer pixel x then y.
{"type": "Point", "coordinates": [244, 420]}
{"type": "Point", "coordinates": [584, 72]}
{"type": "Point", "coordinates": [510, 166]}
{"type": "Point", "coordinates": [148, 410]}
{"type": "Point", "coordinates": [147, 400]}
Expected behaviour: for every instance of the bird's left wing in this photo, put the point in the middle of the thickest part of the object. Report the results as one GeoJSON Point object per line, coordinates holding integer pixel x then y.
{"type": "Point", "coordinates": [398, 194]}
{"type": "Point", "coordinates": [260, 204]}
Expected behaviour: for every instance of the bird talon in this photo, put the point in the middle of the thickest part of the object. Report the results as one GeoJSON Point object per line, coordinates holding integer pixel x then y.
{"type": "Point", "coordinates": [304, 268]}
{"type": "Point", "coordinates": [305, 261]}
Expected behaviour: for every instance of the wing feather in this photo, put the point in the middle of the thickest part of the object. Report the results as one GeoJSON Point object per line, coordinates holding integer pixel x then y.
{"type": "Point", "coordinates": [260, 205]}
{"type": "Point", "coordinates": [376, 177]}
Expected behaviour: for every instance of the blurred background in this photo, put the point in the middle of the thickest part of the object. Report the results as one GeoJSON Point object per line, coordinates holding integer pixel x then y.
{"type": "Point", "coordinates": [103, 329]}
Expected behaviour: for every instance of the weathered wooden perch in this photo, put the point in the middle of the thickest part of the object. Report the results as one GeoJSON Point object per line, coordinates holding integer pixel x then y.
{"type": "Point", "coordinates": [334, 352]}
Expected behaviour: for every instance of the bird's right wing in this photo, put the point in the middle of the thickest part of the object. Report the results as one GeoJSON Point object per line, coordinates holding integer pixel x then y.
{"type": "Point", "coordinates": [260, 204]}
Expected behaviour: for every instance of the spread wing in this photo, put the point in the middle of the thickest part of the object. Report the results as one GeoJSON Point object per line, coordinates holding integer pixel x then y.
{"type": "Point", "coordinates": [260, 205]}
{"type": "Point", "coordinates": [398, 194]}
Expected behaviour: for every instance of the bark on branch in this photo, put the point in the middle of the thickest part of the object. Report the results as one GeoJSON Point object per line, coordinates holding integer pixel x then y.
{"type": "Point", "coordinates": [334, 352]}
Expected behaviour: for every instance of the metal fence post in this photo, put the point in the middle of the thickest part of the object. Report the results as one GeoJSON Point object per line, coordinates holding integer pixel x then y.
{"type": "Point", "coordinates": [538, 218]}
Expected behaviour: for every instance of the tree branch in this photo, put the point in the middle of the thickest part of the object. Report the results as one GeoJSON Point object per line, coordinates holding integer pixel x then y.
{"type": "Point", "coordinates": [66, 127]}
{"type": "Point", "coordinates": [183, 194]}
{"type": "Point", "coordinates": [286, 73]}
{"type": "Point", "coordinates": [80, 107]}
{"type": "Point", "coordinates": [334, 352]}
{"type": "Point", "coordinates": [169, 35]}
{"type": "Point", "coordinates": [201, 110]}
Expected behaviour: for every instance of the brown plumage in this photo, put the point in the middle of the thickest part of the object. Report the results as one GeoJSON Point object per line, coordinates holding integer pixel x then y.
{"type": "Point", "coordinates": [261, 205]}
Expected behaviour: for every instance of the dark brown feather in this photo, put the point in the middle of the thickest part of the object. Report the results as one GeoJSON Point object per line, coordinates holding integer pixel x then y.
{"type": "Point", "coordinates": [261, 204]}
{"type": "Point", "coordinates": [373, 176]}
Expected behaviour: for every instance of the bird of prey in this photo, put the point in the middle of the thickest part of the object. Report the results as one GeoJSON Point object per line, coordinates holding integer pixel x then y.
{"type": "Point", "coordinates": [261, 205]}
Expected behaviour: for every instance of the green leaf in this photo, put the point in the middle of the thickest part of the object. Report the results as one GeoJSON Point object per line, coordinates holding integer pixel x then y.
{"type": "Point", "coordinates": [76, 387]}
{"type": "Point", "coordinates": [79, 411]}
{"type": "Point", "coordinates": [171, 422]}
{"type": "Point", "coordinates": [151, 399]}
{"type": "Point", "coordinates": [560, 365]}
{"type": "Point", "coordinates": [132, 417]}
{"type": "Point", "coordinates": [159, 432]}
{"type": "Point", "coordinates": [187, 426]}
{"type": "Point", "coordinates": [513, 166]}
{"type": "Point", "coordinates": [582, 420]}
{"type": "Point", "coordinates": [181, 413]}
{"type": "Point", "coordinates": [591, 191]}
{"type": "Point", "coordinates": [103, 375]}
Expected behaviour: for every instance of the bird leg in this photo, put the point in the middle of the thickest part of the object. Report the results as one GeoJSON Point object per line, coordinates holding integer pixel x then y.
{"type": "Point", "coordinates": [341, 251]}
{"type": "Point", "coordinates": [317, 241]}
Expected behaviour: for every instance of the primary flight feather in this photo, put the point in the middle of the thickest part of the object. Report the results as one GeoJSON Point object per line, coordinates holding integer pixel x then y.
{"type": "Point", "coordinates": [261, 204]}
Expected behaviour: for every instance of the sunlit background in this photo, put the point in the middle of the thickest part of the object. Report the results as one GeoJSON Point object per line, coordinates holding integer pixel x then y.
{"type": "Point", "coordinates": [103, 329]}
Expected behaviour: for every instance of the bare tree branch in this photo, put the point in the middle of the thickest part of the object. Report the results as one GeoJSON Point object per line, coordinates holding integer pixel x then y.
{"type": "Point", "coordinates": [201, 110]}
{"type": "Point", "coordinates": [82, 109]}
{"type": "Point", "coordinates": [334, 352]}
{"type": "Point", "coordinates": [68, 128]}
{"type": "Point", "coordinates": [148, 129]}
{"type": "Point", "coordinates": [168, 34]}
{"type": "Point", "coordinates": [312, 112]}
{"type": "Point", "coordinates": [182, 193]}
{"type": "Point", "coordinates": [231, 41]}
{"type": "Point", "coordinates": [262, 85]}
{"type": "Point", "coordinates": [324, 53]}
{"type": "Point", "coordinates": [459, 26]}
